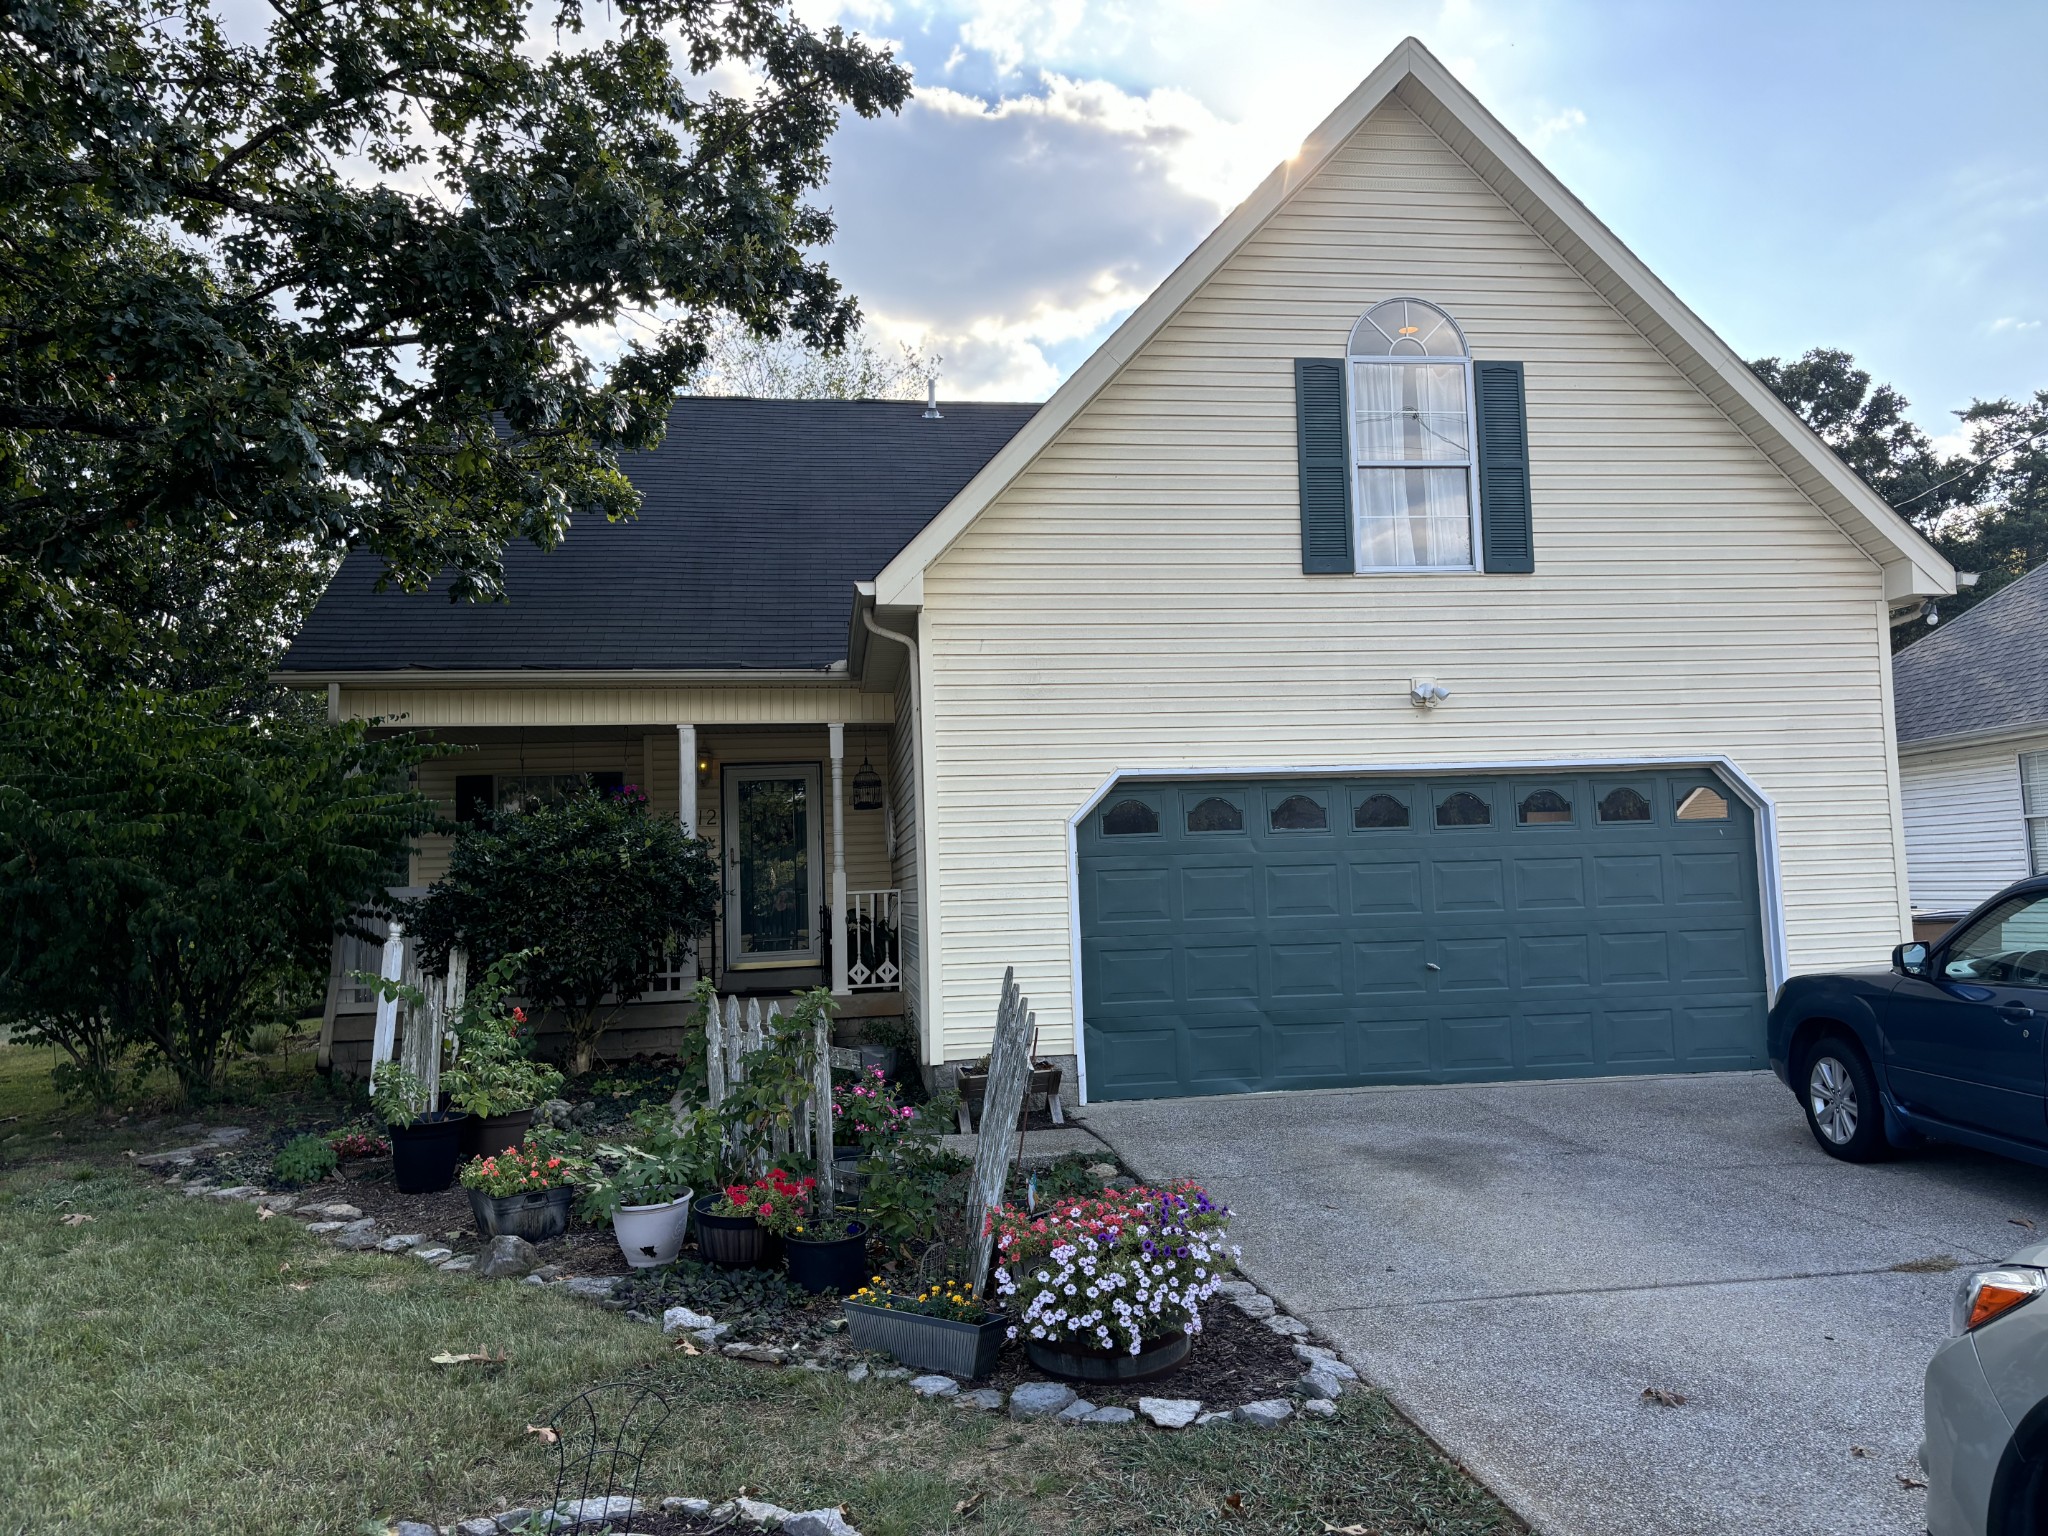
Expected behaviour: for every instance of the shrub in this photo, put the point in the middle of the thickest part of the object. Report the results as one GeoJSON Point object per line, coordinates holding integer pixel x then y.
{"type": "Point", "coordinates": [596, 890]}
{"type": "Point", "coordinates": [1113, 1273]}
{"type": "Point", "coordinates": [494, 1072]}
{"type": "Point", "coordinates": [304, 1160]}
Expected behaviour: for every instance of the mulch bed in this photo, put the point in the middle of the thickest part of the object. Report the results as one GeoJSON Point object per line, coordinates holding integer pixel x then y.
{"type": "Point", "coordinates": [1234, 1360]}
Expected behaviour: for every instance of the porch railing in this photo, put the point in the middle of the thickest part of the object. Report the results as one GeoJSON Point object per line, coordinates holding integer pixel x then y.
{"type": "Point", "coordinates": [874, 960]}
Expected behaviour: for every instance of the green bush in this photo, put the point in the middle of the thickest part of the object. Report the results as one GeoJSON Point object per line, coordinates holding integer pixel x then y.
{"type": "Point", "coordinates": [304, 1160]}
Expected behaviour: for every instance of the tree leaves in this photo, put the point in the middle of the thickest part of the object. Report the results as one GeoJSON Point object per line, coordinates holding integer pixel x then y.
{"type": "Point", "coordinates": [213, 320]}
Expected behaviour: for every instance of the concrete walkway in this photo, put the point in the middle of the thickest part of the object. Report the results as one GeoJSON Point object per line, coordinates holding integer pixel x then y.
{"type": "Point", "coordinates": [1517, 1264]}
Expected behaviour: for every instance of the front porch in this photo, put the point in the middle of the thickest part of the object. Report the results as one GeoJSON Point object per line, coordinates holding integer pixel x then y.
{"type": "Point", "coordinates": [808, 819]}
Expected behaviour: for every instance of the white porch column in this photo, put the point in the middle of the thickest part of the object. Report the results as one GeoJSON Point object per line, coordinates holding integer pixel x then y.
{"type": "Point", "coordinates": [836, 733]}
{"type": "Point", "coordinates": [686, 788]}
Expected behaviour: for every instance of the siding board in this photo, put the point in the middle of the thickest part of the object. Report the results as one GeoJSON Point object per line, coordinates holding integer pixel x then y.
{"type": "Point", "coordinates": [1135, 597]}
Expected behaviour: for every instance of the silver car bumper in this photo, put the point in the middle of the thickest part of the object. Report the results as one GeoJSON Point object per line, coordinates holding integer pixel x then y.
{"type": "Point", "coordinates": [1967, 1433]}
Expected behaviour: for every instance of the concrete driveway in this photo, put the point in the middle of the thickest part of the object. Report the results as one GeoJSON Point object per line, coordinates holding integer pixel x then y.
{"type": "Point", "coordinates": [1515, 1264]}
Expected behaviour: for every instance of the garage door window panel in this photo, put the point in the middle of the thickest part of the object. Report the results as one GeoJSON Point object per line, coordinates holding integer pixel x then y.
{"type": "Point", "coordinates": [1702, 803]}
{"type": "Point", "coordinates": [1543, 808]}
{"type": "Point", "coordinates": [1130, 818]}
{"type": "Point", "coordinates": [1624, 805]}
{"type": "Point", "coordinates": [1212, 814]}
{"type": "Point", "coordinates": [1299, 813]}
{"type": "Point", "coordinates": [1380, 811]}
{"type": "Point", "coordinates": [1463, 808]}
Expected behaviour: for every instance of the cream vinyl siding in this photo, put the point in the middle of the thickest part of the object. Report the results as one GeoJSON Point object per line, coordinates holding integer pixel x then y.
{"type": "Point", "coordinates": [1135, 598]}
{"type": "Point", "coordinates": [1966, 834]}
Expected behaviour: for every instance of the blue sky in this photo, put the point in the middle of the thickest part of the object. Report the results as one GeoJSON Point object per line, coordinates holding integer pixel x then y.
{"type": "Point", "coordinates": [1862, 175]}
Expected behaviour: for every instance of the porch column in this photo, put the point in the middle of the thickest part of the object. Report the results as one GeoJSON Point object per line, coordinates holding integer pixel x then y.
{"type": "Point", "coordinates": [686, 788]}
{"type": "Point", "coordinates": [836, 734]}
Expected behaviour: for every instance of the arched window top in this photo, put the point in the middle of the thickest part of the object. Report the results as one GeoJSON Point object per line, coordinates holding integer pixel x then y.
{"type": "Point", "coordinates": [1299, 813]}
{"type": "Point", "coordinates": [1544, 807]}
{"type": "Point", "coordinates": [1377, 811]}
{"type": "Point", "coordinates": [1129, 818]}
{"type": "Point", "coordinates": [1624, 804]}
{"type": "Point", "coordinates": [1463, 809]}
{"type": "Point", "coordinates": [1406, 328]}
{"type": "Point", "coordinates": [1216, 814]}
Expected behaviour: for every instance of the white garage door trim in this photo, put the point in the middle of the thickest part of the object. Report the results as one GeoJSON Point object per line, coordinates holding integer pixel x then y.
{"type": "Point", "coordinates": [1771, 890]}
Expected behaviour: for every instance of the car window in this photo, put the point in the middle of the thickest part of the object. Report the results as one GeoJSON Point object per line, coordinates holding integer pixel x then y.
{"type": "Point", "coordinates": [2008, 944]}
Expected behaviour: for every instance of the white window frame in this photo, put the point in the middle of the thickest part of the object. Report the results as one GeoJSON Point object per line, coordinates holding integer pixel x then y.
{"type": "Point", "coordinates": [1357, 462]}
{"type": "Point", "coordinates": [2033, 817]}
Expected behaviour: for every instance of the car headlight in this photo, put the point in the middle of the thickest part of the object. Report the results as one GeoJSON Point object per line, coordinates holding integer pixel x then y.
{"type": "Point", "coordinates": [1991, 1293]}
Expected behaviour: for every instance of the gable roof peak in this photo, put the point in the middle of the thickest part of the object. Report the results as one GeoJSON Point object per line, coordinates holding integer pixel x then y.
{"type": "Point", "coordinates": [1416, 78]}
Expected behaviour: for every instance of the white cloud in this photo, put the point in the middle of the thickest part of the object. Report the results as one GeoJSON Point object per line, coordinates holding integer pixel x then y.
{"type": "Point", "coordinates": [2012, 323]}
{"type": "Point", "coordinates": [1556, 124]}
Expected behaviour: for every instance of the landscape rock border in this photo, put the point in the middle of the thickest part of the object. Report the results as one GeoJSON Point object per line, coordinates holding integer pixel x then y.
{"type": "Point", "coordinates": [1325, 1377]}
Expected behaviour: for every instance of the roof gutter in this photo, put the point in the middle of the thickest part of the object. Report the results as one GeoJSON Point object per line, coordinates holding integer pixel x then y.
{"type": "Point", "coordinates": [532, 677]}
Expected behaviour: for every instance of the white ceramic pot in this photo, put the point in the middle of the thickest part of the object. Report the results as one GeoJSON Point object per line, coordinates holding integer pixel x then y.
{"type": "Point", "coordinates": [651, 1234]}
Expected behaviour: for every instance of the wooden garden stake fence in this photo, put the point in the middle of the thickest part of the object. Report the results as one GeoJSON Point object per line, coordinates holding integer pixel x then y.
{"type": "Point", "coordinates": [1002, 1131]}
{"type": "Point", "coordinates": [731, 1034]}
{"type": "Point", "coordinates": [418, 1047]}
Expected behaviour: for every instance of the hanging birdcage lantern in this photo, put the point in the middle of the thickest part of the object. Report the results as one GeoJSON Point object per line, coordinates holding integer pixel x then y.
{"type": "Point", "coordinates": [867, 788]}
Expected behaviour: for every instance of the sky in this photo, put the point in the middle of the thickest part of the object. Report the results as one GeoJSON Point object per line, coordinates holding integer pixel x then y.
{"type": "Point", "coordinates": [1862, 175]}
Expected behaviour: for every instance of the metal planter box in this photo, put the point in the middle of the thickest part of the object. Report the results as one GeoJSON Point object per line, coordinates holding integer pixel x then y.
{"type": "Point", "coordinates": [928, 1343]}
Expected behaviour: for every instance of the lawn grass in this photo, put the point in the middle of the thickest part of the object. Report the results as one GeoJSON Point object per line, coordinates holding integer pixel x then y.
{"type": "Point", "coordinates": [180, 1365]}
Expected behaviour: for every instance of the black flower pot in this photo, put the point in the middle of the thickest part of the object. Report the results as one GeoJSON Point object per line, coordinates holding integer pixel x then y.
{"type": "Point", "coordinates": [424, 1154]}
{"type": "Point", "coordinates": [829, 1264]}
{"type": "Point", "coordinates": [488, 1135]}
{"type": "Point", "coordinates": [1074, 1363]}
{"type": "Point", "coordinates": [736, 1242]}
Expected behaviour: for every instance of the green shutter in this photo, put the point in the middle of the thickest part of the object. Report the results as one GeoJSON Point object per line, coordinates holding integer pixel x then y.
{"type": "Point", "coordinates": [1504, 518]}
{"type": "Point", "coordinates": [1325, 465]}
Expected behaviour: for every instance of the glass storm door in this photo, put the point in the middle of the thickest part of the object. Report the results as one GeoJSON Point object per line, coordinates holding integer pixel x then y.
{"type": "Point", "coordinates": [771, 860]}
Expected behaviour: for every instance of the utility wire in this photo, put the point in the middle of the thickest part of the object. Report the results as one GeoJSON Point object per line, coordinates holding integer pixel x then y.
{"type": "Point", "coordinates": [2025, 442]}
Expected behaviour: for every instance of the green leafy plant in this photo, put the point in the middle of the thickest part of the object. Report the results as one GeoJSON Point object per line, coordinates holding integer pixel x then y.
{"type": "Point", "coordinates": [494, 1072]}
{"type": "Point", "coordinates": [401, 1098]}
{"type": "Point", "coordinates": [951, 1300]}
{"type": "Point", "coordinates": [351, 1146]}
{"type": "Point", "coordinates": [759, 1115]}
{"type": "Point", "coordinates": [167, 881]}
{"type": "Point", "coordinates": [665, 1157]}
{"type": "Point", "coordinates": [304, 1159]}
{"type": "Point", "coordinates": [594, 891]}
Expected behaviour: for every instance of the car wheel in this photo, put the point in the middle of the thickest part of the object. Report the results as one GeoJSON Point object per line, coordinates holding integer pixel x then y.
{"type": "Point", "coordinates": [1840, 1096]}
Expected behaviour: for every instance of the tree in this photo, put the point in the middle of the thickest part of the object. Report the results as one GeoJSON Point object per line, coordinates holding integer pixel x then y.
{"type": "Point", "coordinates": [602, 892]}
{"type": "Point", "coordinates": [329, 285]}
{"type": "Point", "coordinates": [1985, 510]}
{"type": "Point", "coordinates": [166, 879]}
{"type": "Point", "coordinates": [786, 368]}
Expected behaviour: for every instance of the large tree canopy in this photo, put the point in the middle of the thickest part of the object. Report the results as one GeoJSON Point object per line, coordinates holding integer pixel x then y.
{"type": "Point", "coordinates": [1986, 509]}
{"type": "Point", "coordinates": [325, 287]}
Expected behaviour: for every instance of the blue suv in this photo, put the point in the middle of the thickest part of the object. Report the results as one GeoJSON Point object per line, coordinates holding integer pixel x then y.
{"type": "Point", "coordinates": [1950, 1042]}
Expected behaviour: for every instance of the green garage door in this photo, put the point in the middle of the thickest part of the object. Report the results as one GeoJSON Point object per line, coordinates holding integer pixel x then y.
{"type": "Point", "coordinates": [1245, 934]}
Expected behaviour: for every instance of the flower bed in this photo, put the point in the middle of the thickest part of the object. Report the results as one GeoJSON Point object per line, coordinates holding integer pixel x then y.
{"type": "Point", "coordinates": [1113, 1273]}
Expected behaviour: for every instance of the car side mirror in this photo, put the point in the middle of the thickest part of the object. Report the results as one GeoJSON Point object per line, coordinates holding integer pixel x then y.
{"type": "Point", "coordinates": [1910, 959]}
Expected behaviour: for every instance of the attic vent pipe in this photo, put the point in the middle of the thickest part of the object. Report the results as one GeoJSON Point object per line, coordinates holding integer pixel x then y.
{"type": "Point", "coordinates": [931, 399]}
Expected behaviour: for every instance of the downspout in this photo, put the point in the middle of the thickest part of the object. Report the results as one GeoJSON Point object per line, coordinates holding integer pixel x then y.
{"type": "Point", "coordinates": [924, 842]}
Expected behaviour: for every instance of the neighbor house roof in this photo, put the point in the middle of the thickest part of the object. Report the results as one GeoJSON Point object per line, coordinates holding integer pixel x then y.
{"type": "Point", "coordinates": [1984, 675]}
{"type": "Point", "coordinates": [1412, 76]}
{"type": "Point", "coordinates": [758, 518]}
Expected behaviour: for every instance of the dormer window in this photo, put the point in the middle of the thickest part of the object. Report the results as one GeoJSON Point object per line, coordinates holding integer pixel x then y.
{"type": "Point", "coordinates": [1411, 440]}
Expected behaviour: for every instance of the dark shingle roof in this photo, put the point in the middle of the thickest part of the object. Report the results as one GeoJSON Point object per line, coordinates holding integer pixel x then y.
{"type": "Point", "coordinates": [758, 517]}
{"type": "Point", "coordinates": [1986, 672]}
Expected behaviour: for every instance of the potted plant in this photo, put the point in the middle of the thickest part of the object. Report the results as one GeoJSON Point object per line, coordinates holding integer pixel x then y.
{"type": "Point", "coordinates": [1111, 1290]}
{"type": "Point", "coordinates": [524, 1192]}
{"type": "Point", "coordinates": [426, 1143]}
{"type": "Point", "coordinates": [742, 1225]}
{"type": "Point", "coordinates": [869, 1124]}
{"type": "Point", "coordinates": [943, 1328]}
{"type": "Point", "coordinates": [973, 1082]}
{"type": "Point", "coordinates": [494, 1076]}
{"type": "Point", "coordinates": [643, 1188]}
{"type": "Point", "coordinates": [823, 1250]}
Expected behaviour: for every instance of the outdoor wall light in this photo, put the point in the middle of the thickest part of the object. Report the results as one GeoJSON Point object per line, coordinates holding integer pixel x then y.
{"type": "Point", "coordinates": [867, 788]}
{"type": "Point", "coordinates": [1426, 693]}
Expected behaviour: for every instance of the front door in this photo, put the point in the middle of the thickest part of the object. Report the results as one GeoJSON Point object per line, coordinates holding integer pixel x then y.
{"type": "Point", "coordinates": [1965, 1043]}
{"type": "Point", "coordinates": [771, 864]}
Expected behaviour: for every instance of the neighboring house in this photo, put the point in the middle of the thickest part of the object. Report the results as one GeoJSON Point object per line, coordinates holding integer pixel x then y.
{"type": "Point", "coordinates": [1412, 648]}
{"type": "Point", "coordinates": [1972, 704]}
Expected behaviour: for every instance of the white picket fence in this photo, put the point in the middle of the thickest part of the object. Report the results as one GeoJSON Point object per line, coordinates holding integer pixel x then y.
{"type": "Point", "coordinates": [732, 1032]}
{"type": "Point", "coordinates": [419, 1047]}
